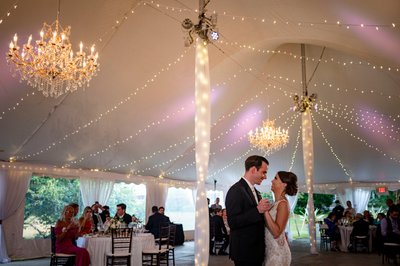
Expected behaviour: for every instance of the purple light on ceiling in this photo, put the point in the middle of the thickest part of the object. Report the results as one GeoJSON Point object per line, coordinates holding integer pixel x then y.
{"type": "Point", "coordinates": [382, 40]}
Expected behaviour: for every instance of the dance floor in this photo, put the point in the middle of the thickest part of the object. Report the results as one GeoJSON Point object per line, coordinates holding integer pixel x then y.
{"type": "Point", "coordinates": [300, 257]}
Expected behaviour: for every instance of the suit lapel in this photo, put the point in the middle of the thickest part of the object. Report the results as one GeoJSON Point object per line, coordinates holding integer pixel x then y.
{"type": "Point", "coordinates": [248, 191]}
{"type": "Point", "coordinates": [258, 194]}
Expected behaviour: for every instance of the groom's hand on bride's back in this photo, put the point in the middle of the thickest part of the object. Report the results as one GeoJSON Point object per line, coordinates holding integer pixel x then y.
{"type": "Point", "coordinates": [263, 205]}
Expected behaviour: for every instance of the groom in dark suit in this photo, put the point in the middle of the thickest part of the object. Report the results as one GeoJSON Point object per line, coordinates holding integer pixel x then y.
{"type": "Point", "coordinates": [245, 208]}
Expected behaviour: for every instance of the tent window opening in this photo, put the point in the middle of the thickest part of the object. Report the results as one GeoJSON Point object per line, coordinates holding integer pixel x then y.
{"type": "Point", "coordinates": [44, 202]}
{"type": "Point", "coordinates": [180, 207]}
{"type": "Point", "coordinates": [134, 196]}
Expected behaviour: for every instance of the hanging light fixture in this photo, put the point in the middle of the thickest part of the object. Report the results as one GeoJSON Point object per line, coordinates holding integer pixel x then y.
{"type": "Point", "coordinates": [49, 64]}
{"type": "Point", "coordinates": [268, 138]}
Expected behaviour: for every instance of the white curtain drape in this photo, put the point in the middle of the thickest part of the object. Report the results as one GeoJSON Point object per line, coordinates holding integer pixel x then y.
{"type": "Point", "coordinates": [156, 194]}
{"type": "Point", "coordinates": [292, 204]}
{"type": "Point", "coordinates": [361, 198]}
{"type": "Point", "coordinates": [344, 195]}
{"type": "Point", "coordinates": [13, 187]}
{"type": "Point", "coordinates": [93, 190]}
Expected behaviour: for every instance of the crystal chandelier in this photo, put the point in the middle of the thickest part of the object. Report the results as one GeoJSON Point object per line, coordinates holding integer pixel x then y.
{"type": "Point", "coordinates": [268, 138]}
{"type": "Point", "coordinates": [49, 64]}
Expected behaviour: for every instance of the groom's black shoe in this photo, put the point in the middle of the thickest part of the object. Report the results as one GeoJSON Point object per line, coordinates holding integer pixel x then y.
{"type": "Point", "coordinates": [222, 253]}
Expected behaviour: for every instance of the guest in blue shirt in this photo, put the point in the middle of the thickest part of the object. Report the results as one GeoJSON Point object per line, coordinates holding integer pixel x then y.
{"type": "Point", "coordinates": [333, 231]}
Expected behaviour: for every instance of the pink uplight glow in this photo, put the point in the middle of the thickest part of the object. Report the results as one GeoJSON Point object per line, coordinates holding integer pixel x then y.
{"type": "Point", "coordinates": [384, 41]}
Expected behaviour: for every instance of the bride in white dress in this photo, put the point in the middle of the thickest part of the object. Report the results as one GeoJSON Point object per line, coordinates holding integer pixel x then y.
{"type": "Point", "coordinates": [277, 248]}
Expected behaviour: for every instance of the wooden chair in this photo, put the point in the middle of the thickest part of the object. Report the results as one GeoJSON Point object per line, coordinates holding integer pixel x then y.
{"type": "Point", "coordinates": [171, 240]}
{"type": "Point", "coordinates": [390, 251]}
{"type": "Point", "coordinates": [159, 255]}
{"type": "Point", "coordinates": [325, 240]}
{"type": "Point", "coordinates": [59, 258]}
{"type": "Point", "coordinates": [121, 247]}
{"type": "Point", "coordinates": [216, 244]}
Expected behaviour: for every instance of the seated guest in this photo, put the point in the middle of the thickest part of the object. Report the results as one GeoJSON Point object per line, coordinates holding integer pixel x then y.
{"type": "Point", "coordinates": [346, 219]}
{"type": "Point", "coordinates": [66, 232]}
{"type": "Point", "coordinates": [86, 225]}
{"type": "Point", "coordinates": [390, 227]}
{"type": "Point", "coordinates": [360, 226]}
{"type": "Point", "coordinates": [379, 218]}
{"type": "Point", "coordinates": [220, 232]}
{"type": "Point", "coordinates": [368, 217]}
{"type": "Point", "coordinates": [155, 220]}
{"type": "Point", "coordinates": [76, 210]}
{"type": "Point", "coordinates": [97, 221]}
{"type": "Point", "coordinates": [122, 215]}
{"type": "Point", "coordinates": [333, 230]}
{"type": "Point", "coordinates": [162, 211]}
{"type": "Point", "coordinates": [350, 209]}
{"type": "Point", "coordinates": [105, 213]}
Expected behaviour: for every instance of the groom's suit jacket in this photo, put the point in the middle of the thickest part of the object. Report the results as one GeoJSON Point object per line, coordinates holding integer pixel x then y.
{"type": "Point", "coordinates": [247, 240]}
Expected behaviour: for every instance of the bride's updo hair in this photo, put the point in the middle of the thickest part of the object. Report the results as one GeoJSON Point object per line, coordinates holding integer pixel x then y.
{"type": "Point", "coordinates": [290, 180]}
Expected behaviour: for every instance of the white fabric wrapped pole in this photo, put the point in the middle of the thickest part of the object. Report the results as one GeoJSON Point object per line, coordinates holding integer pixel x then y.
{"type": "Point", "coordinates": [308, 157]}
{"type": "Point", "coordinates": [202, 140]}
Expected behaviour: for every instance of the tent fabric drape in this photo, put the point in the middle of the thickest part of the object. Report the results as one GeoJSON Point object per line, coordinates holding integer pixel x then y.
{"type": "Point", "coordinates": [359, 197]}
{"type": "Point", "coordinates": [156, 194]}
{"type": "Point", "coordinates": [13, 187]}
{"type": "Point", "coordinates": [93, 190]}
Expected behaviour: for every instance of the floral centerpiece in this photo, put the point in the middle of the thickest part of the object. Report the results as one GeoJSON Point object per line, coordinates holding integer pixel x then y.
{"type": "Point", "coordinates": [113, 223]}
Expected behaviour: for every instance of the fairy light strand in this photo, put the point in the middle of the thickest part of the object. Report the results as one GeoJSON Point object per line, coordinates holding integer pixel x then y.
{"type": "Point", "coordinates": [345, 170]}
{"type": "Point", "coordinates": [10, 11]}
{"type": "Point", "coordinates": [100, 116]}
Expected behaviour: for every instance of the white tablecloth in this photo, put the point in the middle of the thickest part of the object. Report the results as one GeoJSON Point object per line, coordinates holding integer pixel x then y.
{"type": "Point", "coordinates": [99, 246]}
{"type": "Point", "coordinates": [345, 232]}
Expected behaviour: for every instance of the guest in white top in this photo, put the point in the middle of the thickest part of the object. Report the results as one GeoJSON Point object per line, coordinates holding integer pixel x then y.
{"type": "Point", "coordinates": [350, 209]}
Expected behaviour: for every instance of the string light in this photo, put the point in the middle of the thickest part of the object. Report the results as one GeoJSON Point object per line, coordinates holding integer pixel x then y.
{"type": "Point", "coordinates": [10, 10]}
{"type": "Point", "coordinates": [99, 117]}
{"type": "Point", "coordinates": [312, 59]}
{"type": "Point", "coordinates": [244, 19]}
{"type": "Point", "coordinates": [295, 150]}
{"type": "Point", "coordinates": [343, 128]}
{"type": "Point", "coordinates": [346, 171]}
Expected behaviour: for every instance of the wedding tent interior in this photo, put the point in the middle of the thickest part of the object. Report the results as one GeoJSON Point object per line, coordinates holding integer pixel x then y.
{"type": "Point", "coordinates": [135, 122]}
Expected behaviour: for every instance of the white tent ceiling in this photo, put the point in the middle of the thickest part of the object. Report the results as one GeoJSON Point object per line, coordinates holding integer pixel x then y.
{"type": "Point", "coordinates": [137, 116]}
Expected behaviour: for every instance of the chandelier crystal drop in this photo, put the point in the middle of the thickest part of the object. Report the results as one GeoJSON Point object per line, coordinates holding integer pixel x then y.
{"type": "Point", "coordinates": [49, 64]}
{"type": "Point", "coordinates": [268, 138]}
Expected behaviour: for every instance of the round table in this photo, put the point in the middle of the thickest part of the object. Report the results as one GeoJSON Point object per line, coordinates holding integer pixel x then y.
{"type": "Point", "coordinates": [345, 232]}
{"type": "Point", "coordinates": [98, 246]}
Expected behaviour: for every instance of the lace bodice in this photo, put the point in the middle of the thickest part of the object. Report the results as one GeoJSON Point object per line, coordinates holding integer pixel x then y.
{"type": "Point", "coordinates": [277, 250]}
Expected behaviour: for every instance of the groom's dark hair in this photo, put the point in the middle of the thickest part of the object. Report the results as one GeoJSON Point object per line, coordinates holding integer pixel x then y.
{"type": "Point", "coordinates": [254, 160]}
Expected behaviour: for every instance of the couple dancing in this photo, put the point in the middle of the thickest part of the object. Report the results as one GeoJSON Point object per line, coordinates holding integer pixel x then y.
{"type": "Point", "coordinates": [258, 228]}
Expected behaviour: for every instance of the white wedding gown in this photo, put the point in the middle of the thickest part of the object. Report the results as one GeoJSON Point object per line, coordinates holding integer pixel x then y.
{"type": "Point", "coordinates": [277, 251]}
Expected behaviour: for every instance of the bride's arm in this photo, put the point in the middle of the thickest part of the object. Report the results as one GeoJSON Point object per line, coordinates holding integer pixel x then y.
{"type": "Point", "coordinates": [282, 215]}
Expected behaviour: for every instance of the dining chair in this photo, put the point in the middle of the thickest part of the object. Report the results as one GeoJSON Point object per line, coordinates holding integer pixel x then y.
{"type": "Point", "coordinates": [121, 247]}
{"type": "Point", "coordinates": [159, 255]}
{"type": "Point", "coordinates": [216, 244]}
{"type": "Point", "coordinates": [59, 258]}
{"type": "Point", "coordinates": [325, 240]}
{"type": "Point", "coordinates": [171, 242]}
